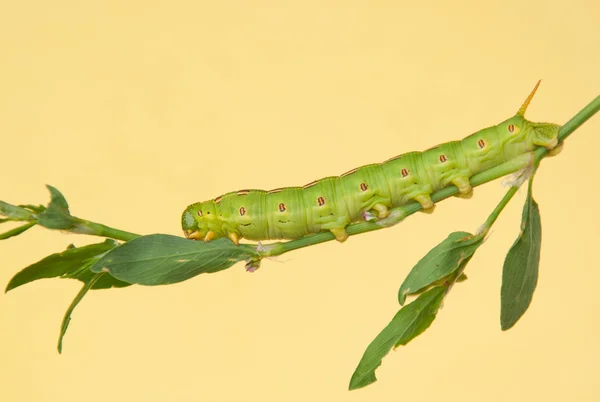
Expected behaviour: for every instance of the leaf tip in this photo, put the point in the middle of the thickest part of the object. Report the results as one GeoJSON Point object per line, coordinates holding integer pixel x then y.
{"type": "Point", "coordinates": [8, 287]}
{"type": "Point", "coordinates": [402, 295]}
{"type": "Point", "coordinates": [357, 382]}
{"type": "Point", "coordinates": [506, 323]}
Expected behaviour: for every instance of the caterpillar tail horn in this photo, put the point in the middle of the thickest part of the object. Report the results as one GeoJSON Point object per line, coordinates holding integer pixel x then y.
{"type": "Point", "coordinates": [521, 111]}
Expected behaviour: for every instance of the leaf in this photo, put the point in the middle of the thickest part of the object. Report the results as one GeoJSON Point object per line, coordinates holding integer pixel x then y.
{"type": "Point", "coordinates": [71, 263]}
{"type": "Point", "coordinates": [67, 318]}
{"type": "Point", "coordinates": [410, 321]}
{"type": "Point", "coordinates": [14, 213]}
{"type": "Point", "coordinates": [448, 280]}
{"type": "Point", "coordinates": [57, 215]}
{"type": "Point", "coordinates": [439, 263]}
{"type": "Point", "coordinates": [57, 200]}
{"type": "Point", "coordinates": [161, 259]}
{"type": "Point", "coordinates": [17, 231]}
{"type": "Point", "coordinates": [520, 271]}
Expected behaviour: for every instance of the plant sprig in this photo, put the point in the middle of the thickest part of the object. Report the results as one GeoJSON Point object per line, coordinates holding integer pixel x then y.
{"type": "Point", "coordinates": [126, 258]}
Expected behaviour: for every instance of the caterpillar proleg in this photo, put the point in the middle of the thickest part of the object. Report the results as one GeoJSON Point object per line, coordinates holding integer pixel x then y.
{"type": "Point", "coordinates": [367, 192]}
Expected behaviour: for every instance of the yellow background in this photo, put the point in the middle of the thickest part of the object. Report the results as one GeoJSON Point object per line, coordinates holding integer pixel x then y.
{"type": "Point", "coordinates": [136, 109]}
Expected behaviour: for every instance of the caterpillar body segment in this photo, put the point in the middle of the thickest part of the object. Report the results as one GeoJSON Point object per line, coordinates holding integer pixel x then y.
{"type": "Point", "coordinates": [368, 192]}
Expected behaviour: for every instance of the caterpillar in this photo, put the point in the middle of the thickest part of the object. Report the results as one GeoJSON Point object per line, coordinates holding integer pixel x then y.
{"type": "Point", "coordinates": [367, 192]}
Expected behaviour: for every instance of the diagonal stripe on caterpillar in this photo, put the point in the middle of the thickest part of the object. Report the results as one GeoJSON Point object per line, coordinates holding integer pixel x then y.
{"type": "Point", "coordinates": [369, 191]}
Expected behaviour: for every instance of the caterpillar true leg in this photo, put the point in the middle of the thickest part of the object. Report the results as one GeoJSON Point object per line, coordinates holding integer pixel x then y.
{"type": "Point", "coordinates": [234, 237]}
{"type": "Point", "coordinates": [195, 235]}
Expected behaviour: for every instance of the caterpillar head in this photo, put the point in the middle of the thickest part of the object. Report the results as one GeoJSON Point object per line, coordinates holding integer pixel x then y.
{"type": "Point", "coordinates": [535, 134]}
{"type": "Point", "coordinates": [199, 219]}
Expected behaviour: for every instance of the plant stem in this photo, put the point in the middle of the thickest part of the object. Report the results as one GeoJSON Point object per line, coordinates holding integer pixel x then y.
{"type": "Point", "coordinates": [98, 229]}
{"type": "Point", "coordinates": [592, 108]}
{"type": "Point", "coordinates": [483, 177]}
{"type": "Point", "coordinates": [573, 124]}
{"type": "Point", "coordinates": [496, 212]}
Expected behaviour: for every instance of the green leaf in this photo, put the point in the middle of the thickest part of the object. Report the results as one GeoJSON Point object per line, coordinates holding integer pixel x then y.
{"type": "Point", "coordinates": [520, 272]}
{"type": "Point", "coordinates": [67, 318]}
{"type": "Point", "coordinates": [448, 280]}
{"type": "Point", "coordinates": [17, 231]}
{"type": "Point", "coordinates": [71, 263]}
{"type": "Point", "coordinates": [440, 263]}
{"type": "Point", "coordinates": [14, 213]}
{"type": "Point", "coordinates": [57, 215]}
{"type": "Point", "coordinates": [411, 321]}
{"type": "Point", "coordinates": [161, 259]}
{"type": "Point", "coordinates": [57, 200]}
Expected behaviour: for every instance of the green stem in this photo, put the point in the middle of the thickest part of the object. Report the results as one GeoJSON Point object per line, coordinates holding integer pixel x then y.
{"type": "Point", "coordinates": [592, 108]}
{"type": "Point", "coordinates": [98, 229]}
{"type": "Point", "coordinates": [478, 179]}
{"type": "Point", "coordinates": [496, 212]}
{"type": "Point", "coordinates": [573, 124]}
{"type": "Point", "coordinates": [17, 231]}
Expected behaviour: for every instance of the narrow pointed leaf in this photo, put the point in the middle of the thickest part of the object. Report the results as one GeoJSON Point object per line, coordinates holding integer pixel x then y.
{"type": "Point", "coordinates": [16, 231]}
{"type": "Point", "coordinates": [14, 213]}
{"type": "Point", "coordinates": [439, 263]}
{"type": "Point", "coordinates": [67, 318]}
{"type": "Point", "coordinates": [57, 215]}
{"type": "Point", "coordinates": [71, 263]}
{"type": "Point", "coordinates": [410, 321]}
{"type": "Point", "coordinates": [57, 200]}
{"type": "Point", "coordinates": [448, 280]}
{"type": "Point", "coordinates": [520, 271]}
{"type": "Point", "coordinates": [161, 259]}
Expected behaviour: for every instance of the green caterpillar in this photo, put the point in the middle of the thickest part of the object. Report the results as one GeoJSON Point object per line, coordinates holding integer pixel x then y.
{"type": "Point", "coordinates": [367, 192]}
